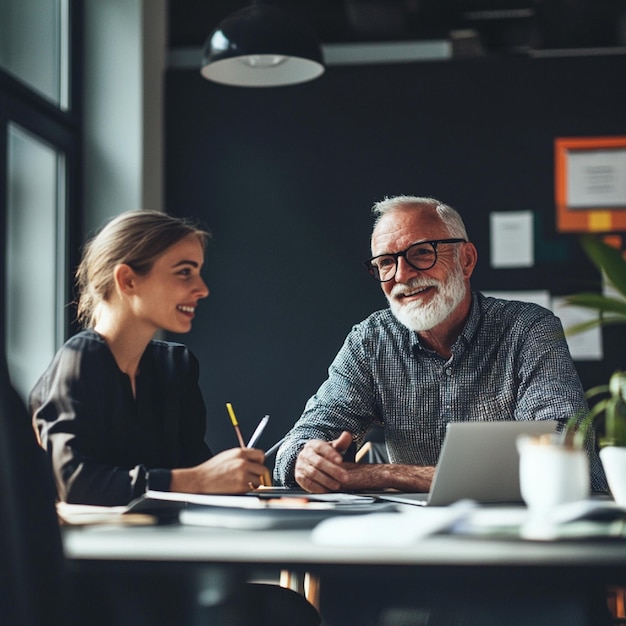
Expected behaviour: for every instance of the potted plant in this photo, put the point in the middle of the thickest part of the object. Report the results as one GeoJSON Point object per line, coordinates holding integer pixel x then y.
{"type": "Point", "coordinates": [611, 310]}
{"type": "Point", "coordinates": [608, 414]}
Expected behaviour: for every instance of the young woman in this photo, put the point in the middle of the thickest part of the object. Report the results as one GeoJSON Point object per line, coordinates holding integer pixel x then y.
{"type": "Point", "coordinates": [120, 412]}
{"type": "Point", "coordinates": [117, 410]}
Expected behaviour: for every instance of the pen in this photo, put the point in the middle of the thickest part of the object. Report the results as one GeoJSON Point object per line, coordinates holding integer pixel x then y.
{"type": "Point", "coordinates": [258, 431]}
{"type": "Point", "coordinates": [233, 419]}
{"type": "Point", "coordinates": [275, 447]}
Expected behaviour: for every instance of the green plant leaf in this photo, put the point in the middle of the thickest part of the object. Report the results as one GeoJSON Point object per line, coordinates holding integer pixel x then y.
{"type": "Point", "coordinates": [583, 426]}
{"type": "Point", "coordinates": [598, 321]}
{"type": "Point", "coordinates": [612, 407]}
{"type": "Point", "coordinates": [594, 391]}
{"type": "Point", "coordinates": [614, 423]}
{"type": "Point", "coordinates": [582, 327]}
{"type": "Point", "coordinates": [607, 259]}
{"type": "Point", "coordinates": [598, 302]}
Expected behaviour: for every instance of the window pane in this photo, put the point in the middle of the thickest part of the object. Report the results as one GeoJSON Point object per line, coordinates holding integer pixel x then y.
{"type": "Point", "coordinates": [35, 257]}
{"type": "Point", "coordinates": [33, 45]}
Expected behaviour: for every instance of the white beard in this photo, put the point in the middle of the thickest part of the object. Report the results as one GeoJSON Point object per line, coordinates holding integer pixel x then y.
{"type": "Point", "coordinates": [420, 317]}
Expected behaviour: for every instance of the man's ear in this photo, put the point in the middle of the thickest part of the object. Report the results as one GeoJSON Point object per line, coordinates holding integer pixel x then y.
{"type": "Point", "coordinates": [469, 257]}
{"type": "Point", "coordinates": [125, 279]}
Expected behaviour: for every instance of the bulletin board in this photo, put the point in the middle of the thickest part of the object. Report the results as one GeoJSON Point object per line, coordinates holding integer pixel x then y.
{"type": "Point", "coordinates": [590, 184]}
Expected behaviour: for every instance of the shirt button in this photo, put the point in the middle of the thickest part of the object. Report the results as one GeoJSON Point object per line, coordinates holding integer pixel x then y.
{"type": "Point", "coordinates": [448, 371]}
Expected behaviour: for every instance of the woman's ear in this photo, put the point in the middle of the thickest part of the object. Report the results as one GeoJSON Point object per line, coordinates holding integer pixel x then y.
{"type": "Point", "coordinates": [125, 279]}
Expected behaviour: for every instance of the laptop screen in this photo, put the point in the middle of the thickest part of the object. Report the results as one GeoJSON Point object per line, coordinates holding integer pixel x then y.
{"type": "Point", "coordinates": [479, 461]}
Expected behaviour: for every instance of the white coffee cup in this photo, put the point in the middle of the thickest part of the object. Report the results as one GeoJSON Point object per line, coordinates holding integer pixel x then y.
{"type": "Point", "coordinates": [551, 474]}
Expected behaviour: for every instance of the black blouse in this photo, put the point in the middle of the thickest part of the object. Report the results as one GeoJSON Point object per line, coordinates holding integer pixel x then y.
{"type": "Point", "coordinates": [107, 446]}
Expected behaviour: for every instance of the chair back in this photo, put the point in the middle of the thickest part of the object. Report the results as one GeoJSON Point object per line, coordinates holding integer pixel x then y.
{"type": "Point", "coordinates": [33, 584]}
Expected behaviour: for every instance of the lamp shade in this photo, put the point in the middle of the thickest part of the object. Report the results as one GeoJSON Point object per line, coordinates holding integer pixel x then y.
{"type": "Point", "coordinates": [260, 46]}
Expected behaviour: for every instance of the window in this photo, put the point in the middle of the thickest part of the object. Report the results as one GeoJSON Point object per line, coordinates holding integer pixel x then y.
{"type": "Point", "coordinates": [35, 254]}
{"type": "Point", "coordinates": [34, 45]}
{"type": "Point", "coordinates": [39, 181]}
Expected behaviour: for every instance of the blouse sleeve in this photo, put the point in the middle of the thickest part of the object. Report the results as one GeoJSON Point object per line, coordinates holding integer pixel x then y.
{"type": "Point", "coordinates": [67, 406]}
{"type": "Point", "coordinates": [83, 410]}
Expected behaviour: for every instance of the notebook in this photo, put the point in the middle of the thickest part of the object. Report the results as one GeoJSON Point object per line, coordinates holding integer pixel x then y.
{"type": "Point", "coordinates": [478, 461]}
{"type": "Point", "coordinates": [265, 509]}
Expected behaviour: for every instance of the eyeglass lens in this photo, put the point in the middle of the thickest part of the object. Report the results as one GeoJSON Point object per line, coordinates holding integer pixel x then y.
{"type": "Point", "coordinates": [421, 256]}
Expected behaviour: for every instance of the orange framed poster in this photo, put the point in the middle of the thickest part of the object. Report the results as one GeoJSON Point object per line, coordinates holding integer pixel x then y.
{"type": "Point", "coordinates": [590, 184]}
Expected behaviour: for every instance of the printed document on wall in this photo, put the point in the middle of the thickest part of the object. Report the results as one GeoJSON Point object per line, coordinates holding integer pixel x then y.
{"type": "Point", "coordinates": [585, 346]}
{"type": "Point", "coordinates": [537, 296]}
{"type": "Point", "coordinates": [512, 239]}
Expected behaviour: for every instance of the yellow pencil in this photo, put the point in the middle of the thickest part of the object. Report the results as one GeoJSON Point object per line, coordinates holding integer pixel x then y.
{"type": "Point", "coordinates": [233, 419]}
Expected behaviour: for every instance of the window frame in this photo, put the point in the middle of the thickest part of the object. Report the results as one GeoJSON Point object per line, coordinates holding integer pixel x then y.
{"type": "Point", "coordinates": [62, 130]}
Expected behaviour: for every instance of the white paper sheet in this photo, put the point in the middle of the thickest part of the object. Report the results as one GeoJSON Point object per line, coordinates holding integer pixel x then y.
{"type": "Point", "coordinates": [596, 179]}
{"type": "Point", "coordinates": [585, 346]}
{"type": "Point", "coordinates": [512, 239]}
{"type": "Point", "coordinates": [390, 529]}
{"type": "Point", "coordinates": [538, 296]}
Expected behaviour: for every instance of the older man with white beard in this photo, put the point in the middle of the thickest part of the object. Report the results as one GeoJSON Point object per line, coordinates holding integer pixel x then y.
{"type": "Point", "coordinates": [440, 353]}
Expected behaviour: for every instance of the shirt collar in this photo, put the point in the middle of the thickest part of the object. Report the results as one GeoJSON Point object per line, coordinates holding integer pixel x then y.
{"type": "Point", "coordinates": [467, 334]}
{"type": "Point", "coordinates": [473, 321]}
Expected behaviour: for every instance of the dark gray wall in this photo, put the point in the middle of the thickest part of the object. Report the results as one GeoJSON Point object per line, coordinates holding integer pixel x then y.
{"type": "Point", "coordinates": [285, 178]}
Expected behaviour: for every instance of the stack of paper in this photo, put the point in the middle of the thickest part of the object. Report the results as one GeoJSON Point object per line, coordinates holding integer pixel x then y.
{"type": "Point", "coordinates": [389, 529]}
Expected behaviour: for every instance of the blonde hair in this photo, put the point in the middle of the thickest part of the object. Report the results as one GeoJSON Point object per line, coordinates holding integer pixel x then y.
{"type": "Point", "coordinates": [134, 238]}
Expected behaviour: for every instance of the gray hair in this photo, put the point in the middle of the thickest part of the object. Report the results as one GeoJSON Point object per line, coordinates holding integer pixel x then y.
{"type": "Point", "coordinates": [449, 216]}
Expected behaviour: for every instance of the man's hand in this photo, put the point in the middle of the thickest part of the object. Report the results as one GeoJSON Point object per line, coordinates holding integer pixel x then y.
{"type": "Point", "coordinates": [319, 466]}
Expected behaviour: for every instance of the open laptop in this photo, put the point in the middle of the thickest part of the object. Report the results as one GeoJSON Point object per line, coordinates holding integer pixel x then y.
{"type": "Point", "coordinates": [478, 461]}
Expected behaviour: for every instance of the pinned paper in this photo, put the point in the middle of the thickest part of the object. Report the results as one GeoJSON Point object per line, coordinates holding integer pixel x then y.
{"type": "Point", "coordinates": [596, 178]}
{"type": "Point", "coordinates": [537, 296]}
{"type": "Point", "coordinates": [512, 239]}
{"type": "Point", "coordinates": [584, 346]}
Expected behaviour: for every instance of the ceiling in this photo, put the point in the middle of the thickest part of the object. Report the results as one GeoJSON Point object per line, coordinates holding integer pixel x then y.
{"type": "Point", "coordinates": [496, 26]}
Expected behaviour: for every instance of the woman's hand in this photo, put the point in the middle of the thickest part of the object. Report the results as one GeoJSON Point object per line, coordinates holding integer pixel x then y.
{"type": "Point", "coordinates": [233, 471]}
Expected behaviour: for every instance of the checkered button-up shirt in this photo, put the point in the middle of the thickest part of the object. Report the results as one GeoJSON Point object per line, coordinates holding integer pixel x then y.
{"type": "Point", "coordinates": [511, 362]}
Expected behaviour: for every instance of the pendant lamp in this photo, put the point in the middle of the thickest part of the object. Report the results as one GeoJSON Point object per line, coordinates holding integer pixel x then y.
{"type": "Point", "coordinates": [260, 46]}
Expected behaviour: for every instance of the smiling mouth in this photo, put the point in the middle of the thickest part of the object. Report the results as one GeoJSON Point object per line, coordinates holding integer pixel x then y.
{"type": "Point", "coordinates": [415, 292]}
{"type": "Point", "coordinates": [186, 309]}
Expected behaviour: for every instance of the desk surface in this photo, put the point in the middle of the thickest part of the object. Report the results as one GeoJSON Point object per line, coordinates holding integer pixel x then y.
{"type": "Point", "coordinates": [284, 547]}
{"type": "Point", "coordinates": [542, 583]}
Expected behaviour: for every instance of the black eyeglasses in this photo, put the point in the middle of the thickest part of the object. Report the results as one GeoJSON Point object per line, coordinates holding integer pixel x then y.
{"type": "Point", "coordinates": [421, 256]}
